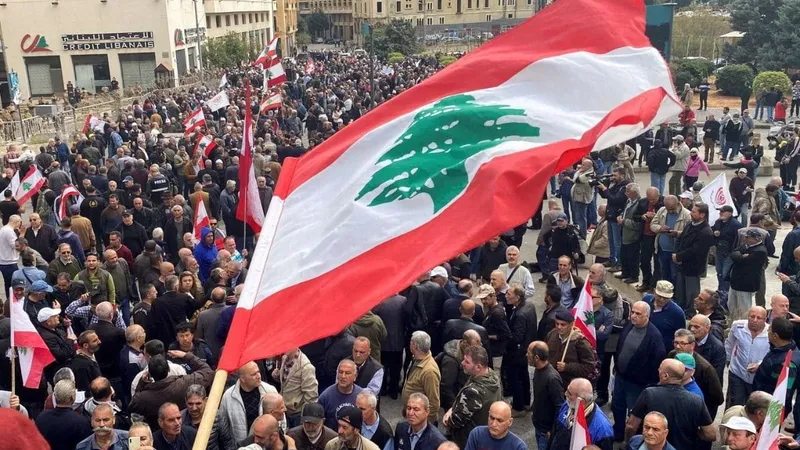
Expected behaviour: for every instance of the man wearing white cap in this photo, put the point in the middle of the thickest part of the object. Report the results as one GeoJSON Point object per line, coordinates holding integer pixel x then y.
{"type": "Point", "coordinates": [56, 340]}
{"type": "Point", "coordinates": [741, 433]}
{"type": "Point", "coordinates": [687, 199]}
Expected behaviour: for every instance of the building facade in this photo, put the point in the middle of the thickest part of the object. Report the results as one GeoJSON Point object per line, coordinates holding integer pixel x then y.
{"type": "Point", "coordinates": [286, 25]}
{"type": "Point", "coordinates": [340, 13]}
{"type": "Point", "coordinates": [253, 20]}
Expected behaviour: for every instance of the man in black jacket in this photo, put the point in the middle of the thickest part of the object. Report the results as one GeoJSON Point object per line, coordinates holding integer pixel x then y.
{"type": "Point", "coordinates": [113, 340]}
{"type": "Point", "coordinates": [615, 194]}
{"type": "Point", "coordinates": [660, 159]}
{"type": "Point", "coordinates": [495, 323]}
{"type": "Point", "coordinates": [548, 392]}
{"type": "Point", "coordinates": [134, 234]}
{"type": "Point", "coordinates": [391, 311]}
{"type": "Point", "coordinates": [691, 251]}
{"type": "Point", "coordinates": [168, 311]}
{"type": "Point", "coordinates": [648, 208]}
{"type": "Point", "coordinates": [522, 322]}
{"type": "Point", "coordinates": [42, 237]}
{"type": "Point", "coordinates": [56, 339]}
{"type": "Point", "coordinates": [144, 216]}
{"type": "Point", "coordinates": [455, 328]}
{"type": "Point", "coordinates": [706, 344]}
{"type": "Point", "coordinates": [749, 261]}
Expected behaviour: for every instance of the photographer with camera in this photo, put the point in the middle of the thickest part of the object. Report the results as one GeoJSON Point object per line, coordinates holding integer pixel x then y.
{"type": "Point", "coordinates": [582, 194]}
{"type": "Point", "coordinates": [614, 193]}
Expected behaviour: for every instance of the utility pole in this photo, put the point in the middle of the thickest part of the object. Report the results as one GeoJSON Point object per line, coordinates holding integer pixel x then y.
{"type": "Point", "coordinates": [197, 41]}
{"type": "Point", "coordinates": [8, 80]}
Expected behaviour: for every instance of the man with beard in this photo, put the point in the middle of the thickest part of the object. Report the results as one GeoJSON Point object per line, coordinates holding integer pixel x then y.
{"type": "Point", "coordinates": [84, 365]}
{"type": "Point", "coordinates": [312, 434]}
{"type": "Point", "coordinates": [105, 436]}
{"type": "Point", "coordinates": [350, 421]}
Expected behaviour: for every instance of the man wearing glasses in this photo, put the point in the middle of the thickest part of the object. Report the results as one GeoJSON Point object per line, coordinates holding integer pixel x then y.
{"type": "Point", "coordinates": [64, 262]}
{"type": "Point", "coordinates": [703, 374]}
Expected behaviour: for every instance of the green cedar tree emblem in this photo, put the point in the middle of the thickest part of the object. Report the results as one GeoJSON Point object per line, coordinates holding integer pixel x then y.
{"type": "Point", "coordinates": [588, 317]}
{"type": "Point", "coordinates": [774, 412]}
{"type": "Point", "coordinates": [26, 186]}
{"type": "Point", "coordinates": [429, 156]}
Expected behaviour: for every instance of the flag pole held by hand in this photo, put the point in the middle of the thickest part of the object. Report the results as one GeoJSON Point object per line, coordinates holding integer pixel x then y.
{"type": "Point", "coordinates": [566, 346]}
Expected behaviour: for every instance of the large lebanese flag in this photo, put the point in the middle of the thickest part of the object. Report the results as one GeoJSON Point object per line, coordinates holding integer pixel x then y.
{"type": "Point", "coordinates": [395, 192]}
{"type": "Point", "coordinates": [32, 351]}
{"type": "Point", "coordinates": [25, 188]}
{"type": "Point", "coordinates": [274, 74]}
{"type": "Point", "coordinates": [268, 54]}
{"type": "Point", "coordinates": [249, 207]}
{"type": "Point", "coordinates": [583, 311]}
{"type": "Point", "coordinates": [768, 437]}
{"type": "Point", "coordinates": [205, 145]}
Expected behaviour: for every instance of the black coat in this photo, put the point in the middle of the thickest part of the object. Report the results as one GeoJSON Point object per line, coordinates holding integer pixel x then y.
{"type": "Point", "coordinates": [659, 160]}
{"type": "Point", "coordinates": [643, 366]}
{"type": "Point", "coordinates": [455, 328]}
{"type": "Point", "coordinates": [45, 241]}
{"type": "Point", "coordinates": [496, 324]}
{"type": "Point", "coordinates": [63, 428]}
{"type": "Point", "coordinates": [166, 313]}
{"type": "Point", "coordinates": [85, 370]}
{"type": "Point", "coordinates": [692, 249]}
{"type": "Point", "coordinates": [171, 237]}
{"type": "Point", "coordinates": [617, 199]}
{"type": "Point", "coordinates": [391, 311]}
{"type": "Point", "coordinates": [490, 260]}
{"type": "Point", "coordinates": [522, 322]}
{"type": "Point", "coordinates": [133, 236]}
{"type": "Point", "coordinates": [713, 350]}
{"type": "Point", "coordinates": [59, 346]}
{"type": "Point", "coordinates": [748, 264]}
{"type": "Point", "coordinates": [112, 340]}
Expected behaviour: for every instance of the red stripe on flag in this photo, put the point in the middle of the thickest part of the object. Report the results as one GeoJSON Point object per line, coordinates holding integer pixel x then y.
{"type": "Point", "coordinates": [332, 308]}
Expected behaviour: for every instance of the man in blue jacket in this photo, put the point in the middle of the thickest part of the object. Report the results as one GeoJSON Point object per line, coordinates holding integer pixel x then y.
{"type": "Point", "coordinates": [640, 350]}
{"type": "Point", "coordinates": [205, 253]}
{"type": "Point", "coordinates": [600, 431]}
{"type": "Point", "coordinates": [666, 315]}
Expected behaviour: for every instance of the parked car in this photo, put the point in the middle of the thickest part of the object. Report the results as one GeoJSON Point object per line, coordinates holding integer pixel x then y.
{"type": "Point", "coordinates": [319, 40]}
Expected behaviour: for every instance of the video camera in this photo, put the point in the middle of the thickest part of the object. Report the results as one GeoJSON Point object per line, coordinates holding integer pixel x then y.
{"type": "Point", "coordinates": [595, 180]}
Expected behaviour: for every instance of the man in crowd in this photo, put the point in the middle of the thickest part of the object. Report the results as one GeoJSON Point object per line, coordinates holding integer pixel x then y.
{"type": "Point", "coordinates": [312, 434]}
{"type": "Point", "coordinates": [691, 254]}
{"type": "Point", "coordinates": [746, 345]}
{"type": "Point", "coordinates": [423, 377]}
{"type": "Point", "coordinates": [241, 403]}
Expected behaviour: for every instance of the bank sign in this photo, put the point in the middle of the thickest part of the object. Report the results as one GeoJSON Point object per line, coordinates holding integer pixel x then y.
{"type": "Point", "coordinates": [108, 41]}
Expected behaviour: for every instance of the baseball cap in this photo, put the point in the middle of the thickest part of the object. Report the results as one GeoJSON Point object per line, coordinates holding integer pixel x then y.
{"type": "Point", "coordinates": [726, 208]}
{"type": "Point", "coordinates": [46, 313]}
{"type": "Point", "coordinates": [484, 291]}
{"type": "Point", "coordinates": [439, 271]}
{"type": "Point", "coordinates": [127, 212]}
{"type": "Point", "coordinates": [687, 195]}
{"type": "Point", "coordinates": [677, 137]}
{"type": "Point", "coordinates": [351, 415]}
{"type": "Point", "coordinates": [687, 360]}
{"type": "Point", "coordinates": [41, 286]}
{"type": "Point", "coordinates": [19, 282]}
{"type": "Point", "coordinates": [752, 233]}
{"type": "Point", "coordinates": [740, 423]}
{"type": "Point", "coordinates": [742, 170]}
{"type": "Point", "coordinates": [128, 178]}
{"type": "Point", "coordinates": [313, 412]}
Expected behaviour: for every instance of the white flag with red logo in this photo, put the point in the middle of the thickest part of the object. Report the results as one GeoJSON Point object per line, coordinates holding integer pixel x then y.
{"type": "Point", "coordinates": [32, 351]}
{"type": "Point", "coordinates": [205, 145]}
{"type": "Point", "coordinates": [395, 193]}
{"type": "Point", "coordinates": [583, 311]}
{"type": "Point", "coordinates": [249, 208]}
{"type": "Point", "coordinates": [580, 430]}
{"type": "Point", "coordinates": [218, 101]}
{"type": "Point", "coordinates": [768, 438]}
{"type": "Point", "coordinates": [271, 102]}
{"type": "Point", "coordinates": [22, 190]}
{"type": "Point", "coordinates": [194, 121]}
{"type": "Point", "coordinates": [92, 122]}
{"type": "Point", "coordinates": [201, 220]}
{"type": "Point", "coordinates": [716, 195]}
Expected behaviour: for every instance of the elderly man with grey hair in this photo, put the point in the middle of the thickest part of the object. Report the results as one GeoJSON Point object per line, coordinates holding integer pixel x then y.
{"type": "Point", "coordinates": [708, 345]}
{"type": "Point", "coordinates": [423, 375]}
{"type": "Point", "coordinates": [516, 272]}
{"type": "Point", "coordinates": [61, 427]}
{"type": "Point", "coordinates": [228, 201]}
{"type": "Point", "coordinates": [599, 428]}
{"type": "Point", "coordinates": [143, 432]}
{"type": "Point", "coordinates": [112, 340]}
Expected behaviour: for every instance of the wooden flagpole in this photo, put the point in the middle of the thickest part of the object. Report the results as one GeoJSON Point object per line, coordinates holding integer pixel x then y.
{"type": "Point", "coordinates": [571, 329]}
{"type": "Point", "coordinates": [212, 405]}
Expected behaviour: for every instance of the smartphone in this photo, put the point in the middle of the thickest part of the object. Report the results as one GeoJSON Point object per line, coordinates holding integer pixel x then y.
{"type": "Point", "coordinates": [134, 443]}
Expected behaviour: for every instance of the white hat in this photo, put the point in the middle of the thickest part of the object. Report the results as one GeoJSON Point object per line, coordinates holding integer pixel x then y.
{"type": "Point", "coordinates": [740, 423]}
{"type": "Point", "coordinates": [46, 313]}
{"type": "Point", "coordinates": [439, 271]}
{"type": "Point", "coordinates": [687, 195]}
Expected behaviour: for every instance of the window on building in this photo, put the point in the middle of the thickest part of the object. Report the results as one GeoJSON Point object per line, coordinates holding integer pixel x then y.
{"type": "Point", "coordinates": [419, 22]}
{"type": "Point", "coordinates": [430, 21]}
{"type": "Point", "coordinates": [511, 16]}
{"type": "Point", "coordinates": [419, 5]}
{"type": "Point", "coordinates": [439, 5]}
{"type": "Point", "coordinates": [485, 3]}
{"type": "Point", "coordinates": [511, 2]}
{"type": "Point", "coordinates": [379, 7]}
{"type": "Point", "coordinates": [236, 19]}
{"type": "Point", "coordinates": [250, 18]}
{"type": "Point", "coordinates": [218, 18]}
{"type": "Point", "coordinates": [244, 17]}
{"type": "Point", "coordinates": [208, 21]}
{"type": "Point", "coordinates": [469, 4]}
{"type": "Point", "coordinates": [430, 6]}
{"type": "Point", "coordinates": [256, 16]}
{"type": "Point", "coordinates": [398, 6]}
{"type": "Point", "coordinates": [408, 5]}
{"type": "Point", "coordinates": [488, 17]}
{"type": "Point", "coordinates": [441, 20]}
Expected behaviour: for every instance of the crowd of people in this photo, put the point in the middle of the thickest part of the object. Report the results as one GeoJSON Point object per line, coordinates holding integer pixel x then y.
{"type": "Point", "coordinates": [135, 309]}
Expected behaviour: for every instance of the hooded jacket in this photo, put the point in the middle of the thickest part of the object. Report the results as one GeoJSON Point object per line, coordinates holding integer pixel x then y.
{"type": "Point", "coordinates": [205, 255]}
{"type": "Point", "coordinates": [453, 378]}
{"type": "Point", "coordinates": [471, 407]}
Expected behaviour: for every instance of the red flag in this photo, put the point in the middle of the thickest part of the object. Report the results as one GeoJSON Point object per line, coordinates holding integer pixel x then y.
{"type": "Point", "coordinates": [194, 121]}
{"type": "Point", "coordinates": [33, 353]}
{"type": "Point", "coordinates": [275, 74]}
{"type": "Point", "coordinates": [201, 221]}
{"type": "Point", "coordinates": [91, 123]}
{"type": "Point", "coordinates": [580, 431]}
{"type": "Point", "coordinates": [268, 54]}
{"type": "Point", "coordinates": [249, 207]}
{"type": "Point", "coordinates": [205, 145]}
{"type": "Point", "coordinates": [395, 193]}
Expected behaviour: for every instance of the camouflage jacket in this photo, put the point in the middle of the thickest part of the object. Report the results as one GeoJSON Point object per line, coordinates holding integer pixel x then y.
{"type": "Point", "coordinates": [471, 407]}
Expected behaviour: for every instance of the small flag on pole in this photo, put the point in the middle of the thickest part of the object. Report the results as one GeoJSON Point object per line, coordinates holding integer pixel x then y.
{"type": "Point", "coordinates": [24, 189]}
{"type": "Point", "coordinates": [768, 438]}
{"type": "Point", "coordinates": [205, 145]}
{"type": "Point", "coordinates": [580, 431]}
{"type": "Point", "coordinates": [583, 311]}
{"type": "Point", "coordinates": [194, 121]}
{"type": "Point", "coordinates": [201, 221]}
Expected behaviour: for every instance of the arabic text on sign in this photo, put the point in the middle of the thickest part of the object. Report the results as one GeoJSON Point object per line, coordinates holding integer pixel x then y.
{"type": "Point", "coordinates": [119, 45]}
{"type": "Point", "coordinates": [67, 38]}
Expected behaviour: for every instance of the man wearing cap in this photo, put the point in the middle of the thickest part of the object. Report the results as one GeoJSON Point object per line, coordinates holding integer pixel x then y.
{"type": "Point", "coordinates": [35, 298]}
{"type": "Point", "coordinates": [748, 261]}
{"type": "Point", "coordinates": [56, 339]}
{"type": "Point", "coordinates": [666, 315]}
{"type": "Point", "coordinates": [668, 223]}
{"type": "Point", "coordinates": [560, 240]}
{"type": "Point", "coordinates": [495, 323]}
{"type": "Point", "coordinates": [349, 420]}
{"type": "Point", "coordinates": [725, 231]}
{"type": "Point", "coordinates": [582, 194]}
{"type": "Point", "coordinates": [570, 352]}
{"type": "Point", "coordinates": [746, 345]}
{"type": "Point", "coordinates": [312, 434]}
{"type": "Point", "coordinates": [640, 349]}
{"type": "Point", "coordinates": [440, 276]}
{"type": "Point", "coordinates": [134, 234]}
{"type": "Point", "coordinates": [691, 252]}
{"type": "Point", "coordinates": [687, 199]}
{"type": "Point", "coordinates": [756, 409]}
{"type": "Point", "coordinates": [688, 381]}
{"type": "Point", "coordinates": [741, 433]}
{"type": "Point", "coordinates": [680, 151]}
{"type": "Point", "coordinates": [741, 188]}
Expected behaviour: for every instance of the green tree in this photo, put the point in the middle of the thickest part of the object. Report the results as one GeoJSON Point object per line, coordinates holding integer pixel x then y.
{"type": "Point", "coordinates": [695, 32]}
{"type": "Point", "coordinates": [758, 19]}
{"type": "Point", "coordinates": [226, 51]}
{"type": "Point", "coordinates": [396, 36]}
{"type": "Point", "coordinates": [767, 80]}
{"type": "Point", "coordinates": [734, 79]}
{"type": "Point", "coordinates": [787, 36]}
{"type": "Point", "coordinates": [318, 23]}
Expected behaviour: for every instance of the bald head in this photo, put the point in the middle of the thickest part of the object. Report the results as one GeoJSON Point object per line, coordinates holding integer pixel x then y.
{"type": "Point", "coordinates": [472, 337]}
{"type": "Point", "coordinates": [671, 371]}
{"type": "Point", "coordinates": [780, 306]}
{"type": "Point", "coordinates": [581, 387]}
{"type": "Point", "coordinates": [263, 428]}
{"type": "Point", "coordinates": [467, 308]}
{"type": "Point", "coordinates": [500, 409]}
